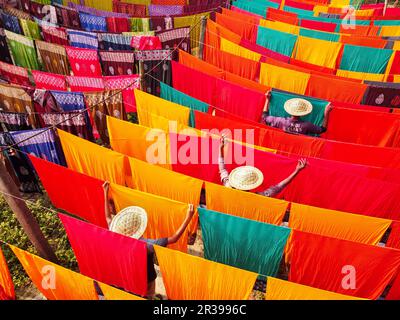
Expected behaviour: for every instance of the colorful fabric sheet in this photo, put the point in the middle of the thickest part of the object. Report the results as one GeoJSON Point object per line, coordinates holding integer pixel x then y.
{"type": "Point", "coordinates": [22, 50]}
{"type": "Point", "coordinates": [84, 62]}
{"type": "Point", "coordinates": [278, 289]}
{"type": "Point", "coordinates": [111, 293]}
{"type": "Point", "coordinates": [364, 59]}
{"type": "Point", "coordinates": [319, 52]}
{"type": "Point", "coordinates": [127, 84]}
{"type": "Point", "coordinates": [358, 126]}
{"type": "Point", "coordinates": [284, 79]}
{"type": "Point", "coordinates": [54, 57]}
{"type": "Point", "coordinates": [81, 195]}
{"type": "Point", "coordinates": [334, 89]}
{"type": "Point", "coordinates": [14, 74]}
{"type": "Point", "coordinates": [276, 41]}
{"type": "Point", "coordinates": [278, 100]}
{"type": "Point", "coordinates": [242, 243]}
{"type": "Point", "coordinates": [135, 140]}
{"type": "Point", "coordinates": [66, 284]}
{"type": "Point", "coordinates": [188, 277]}
{"type": "Point", "coordinates": [337, 224]}
{"type": "Point", "coordinates": [6, 285]}
{"type": "Point", "coordinates": [91, 22]}
{"type": "Point", "coordinates": [107, 256]}
{"type": "Point", "coordinates": [87, 83]}
{"type": "Point", "coordinates": [102, 104]}
{"type": "Point", "coordinates": [117, 62]}
{"type": "Point", "coordinates": [173, 95]}
{"type": "Point", "coordinates": [245, 204]}
{"type": "Point", "coordinates": [381, 94]}
{"type": "Point", "coordinates": [148, 105]}
{"type": "Point", "coordinates": [338, 263]}
{"type": "Point", "coordinates": [83, 39]}
{"type": "Point", "coordinates": [93, 160]}
{"type": "Point", "coordinates": [49, 81]}
{"type": "Point", "coordinates": [41, 143]}
{"type": "Point", "coordinates": [164, 216]}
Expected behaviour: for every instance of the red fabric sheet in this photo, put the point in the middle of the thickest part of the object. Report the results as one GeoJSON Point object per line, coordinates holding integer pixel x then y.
{"type": "Point", "coordinates": [318, 262]}
{"type": "Point", "coordinates": [127, 84]}
{"type": "Point", "coordinates": [321, 184]}
{"type": "Point", "coordinates": [82, 84]}
{"type": "Point", "coordinates": [231, 97]}
{"type": "Point", "coordinates": [318, 25]}
{"type": "Point", "coordinates": [264, 51]}
{"type": "Point", "coordinates": [360, 107]}
{"type": "Point", "coordinates": [107, 256]}
{"type": "Point", "coordinates": [394, 292]}
{"type": "Point", "coordinates": [376, 157]}
{"type": "Point", "coordinates": [332, 89]}
{"type": "Point", "coordinates": [282, 16]}
{"type": "Point", "coordinates": [289, 144]}
{"type": "Point", "coordinates": [395, 69]}
{"type": "Point", "coordinates": [49, 81]}
{"type": "Point", "coordinates": [313, 67]}
{"type": "Point", "coordinates": [299, 5]}
{"type": "Point", "coordinates": [117, 25]}
{"type": "Point", "coordinates": [242, 67]}
{"type": "Point", "coordinates": [235, 9]}
{"type": "Point", "coordinates": [246, 30]}
{"type": "Point", "coordinates": [364, 127]}
{"type": "Point", "coordinates": [84, 62]}
{"type": "Point", "coordinates": [80, 194]}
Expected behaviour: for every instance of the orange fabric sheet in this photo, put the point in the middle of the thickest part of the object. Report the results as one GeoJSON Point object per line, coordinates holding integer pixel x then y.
{"type": "Point", "coordinates": [111, 293]}
{"type": "Point", "coordinates": [130, 139]}
{"type": "Point", "coordinates": [246, 30]}
{"type": "Point", "coordinates": [285, 290]}
{"type": "Point", "coordinates": [164, 216]}
{"type": "Point", "coordinates": [91, 159]}
{"type": "Point", "coordinates": [187, 277]}
{"type": "Point", "coordinates": [158, 181]}
{"type": "Point", "coordinates": [335, 90]}
{"type": "Point", "coordinates": [245, 204]}
{"type": "Point", "coordinates": [355, 40]}
{"type": "Point", "coordinates": [54, 281]}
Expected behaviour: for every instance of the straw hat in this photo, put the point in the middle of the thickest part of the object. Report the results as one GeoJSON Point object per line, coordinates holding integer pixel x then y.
{"type": "Point", "coordinates": [131, 222]}
{"type": "Point", "coordinates": [298, 107]}
{"type": "Point", "coordinates": [246, 178]}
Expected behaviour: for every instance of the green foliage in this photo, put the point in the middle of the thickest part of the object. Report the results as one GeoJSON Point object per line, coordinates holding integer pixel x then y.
{"type": "Point", "coordinates": [12, 233]}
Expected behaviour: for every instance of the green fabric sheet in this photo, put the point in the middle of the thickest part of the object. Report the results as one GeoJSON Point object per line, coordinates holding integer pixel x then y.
{"type": "Point", "coordinates": [365, 59]}
{"type": "Point", "coordinates": [22, 50]}
{"type": "Point", "coordinates": [278, 99]}
{"type": "Point", "coordinates": [242, 243]}
{"type": "Point", "coordinates": [173, 95]}
{"type": "Point", "coordinates": [277, 41]}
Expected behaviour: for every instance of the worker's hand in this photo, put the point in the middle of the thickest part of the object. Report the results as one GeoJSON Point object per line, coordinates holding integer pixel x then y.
{"type": "Point", "coordinates": [301, 164]}
{"type": "Point", "coordinates": [190, 210]}
{"type": "Point", "coordinates": [223, 141]}
{"type": "Point", "coordinates": [106, 186]}
{"type": "Point", "coordinates": [329, 108]}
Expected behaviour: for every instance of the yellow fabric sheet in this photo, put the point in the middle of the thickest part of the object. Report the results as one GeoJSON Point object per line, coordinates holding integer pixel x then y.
{"type": "Point", "coordinates": [164, 216]}
{"type": "Point", "coordinates": [105, 5]}
{"type": "Point", "coordinates": [284, 290]}
{"type": "Point", "coordinates": [396, 78]}
{"type": "Point", "coordinates": [54, 281]}
{"type": "Point", "coordinates": [148, 105]}
{"type": "Point", "coordinates": [187, 277]}
{"type": "Point", "coordinates": [361, 75]}
{"type": "Point", "coordinates": [320, 9]}
{"type": "Point", "coordinates": [6, 283]}
{"type": "Point", "coordinates": [396, 45]}
{"type": "Point", "coordinates": [280, 26]}
{"type": "Point", "coordinates": [111, 293]}
{"type": "Point", "coordinates": [167, 183]}
{"type": "Point", "coordinates": [233, 48]}
{"type": "Point", "coordinates": [284, 79]}
{"type": "Point", "coordinates": [245, 204]}
{"type": "Point", "coordinates": [337, 224]}
{"type": "Point", "coordinates": [91, 159]}
{"type": "Point", "coordinates": [390, 31]}
{"type": "Point", "coordinates": [316, 51]}
{"type": "Point", "coordinates": [146, 144]}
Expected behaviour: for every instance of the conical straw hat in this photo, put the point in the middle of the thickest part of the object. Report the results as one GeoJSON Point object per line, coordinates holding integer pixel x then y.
{"type": "Point", "coordinates": [246, 178]}
{"type": "Point", "coordinates": [131, 222]}
{"type": "Point", "coordinates": [298, 107]}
